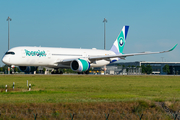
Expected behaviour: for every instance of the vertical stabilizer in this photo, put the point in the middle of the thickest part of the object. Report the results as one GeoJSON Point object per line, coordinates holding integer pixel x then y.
{"type": "Point", "coordinates": [119, 43]}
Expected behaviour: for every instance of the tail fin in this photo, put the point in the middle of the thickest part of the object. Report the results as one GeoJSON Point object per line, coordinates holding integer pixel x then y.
{"type": "Point", "coordinates": [119, 43]}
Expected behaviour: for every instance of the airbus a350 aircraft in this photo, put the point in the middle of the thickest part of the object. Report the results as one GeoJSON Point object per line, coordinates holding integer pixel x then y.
{"type": "Point", "coordinates": [79, 60]}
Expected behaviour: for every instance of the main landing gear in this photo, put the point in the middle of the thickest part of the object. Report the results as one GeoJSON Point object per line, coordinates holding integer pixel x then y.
{"type": "Point", "coordinates": [85, 72]}
{"type": "Point", "coordinates": [56, 71]}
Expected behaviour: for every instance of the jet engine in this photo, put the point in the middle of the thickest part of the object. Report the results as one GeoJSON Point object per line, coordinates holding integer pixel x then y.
{"type": "Point", "coordinates": [80, 65]}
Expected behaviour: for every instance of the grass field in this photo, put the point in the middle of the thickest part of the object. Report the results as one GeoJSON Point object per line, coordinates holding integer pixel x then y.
{"type": "Point", "coordinates": [88, 88]}
{"type": "Point", "coordinates": [89, 96]}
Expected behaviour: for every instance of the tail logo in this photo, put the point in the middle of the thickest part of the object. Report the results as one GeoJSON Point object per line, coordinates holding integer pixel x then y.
{"type": "Point", "coordinates": [121, 41]}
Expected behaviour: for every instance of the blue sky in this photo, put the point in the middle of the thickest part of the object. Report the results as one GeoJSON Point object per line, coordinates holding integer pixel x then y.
{"type": "Point", "coordinates": [154, 25]}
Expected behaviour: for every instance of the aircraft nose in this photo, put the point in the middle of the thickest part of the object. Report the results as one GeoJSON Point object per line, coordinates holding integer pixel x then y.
{"type": "Point", "coordinates": [5, 60]}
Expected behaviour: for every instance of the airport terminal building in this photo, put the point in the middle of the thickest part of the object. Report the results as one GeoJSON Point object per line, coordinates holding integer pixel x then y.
{"type": "Point", "coordinates": [135, 67]}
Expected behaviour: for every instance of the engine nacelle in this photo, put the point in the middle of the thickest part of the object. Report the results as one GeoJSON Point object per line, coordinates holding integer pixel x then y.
{"type": "Point", "coordinates": [80, 65]}
{"type": "Point", "coordinates": [27, 69]}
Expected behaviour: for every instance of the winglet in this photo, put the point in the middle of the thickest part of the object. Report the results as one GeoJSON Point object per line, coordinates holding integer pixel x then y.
{"type": "Point", "coordinates": [173, 48]}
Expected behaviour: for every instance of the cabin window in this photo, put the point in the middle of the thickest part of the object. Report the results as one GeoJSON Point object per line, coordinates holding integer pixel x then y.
{"type": "Point", "coordinates": [9, 53]}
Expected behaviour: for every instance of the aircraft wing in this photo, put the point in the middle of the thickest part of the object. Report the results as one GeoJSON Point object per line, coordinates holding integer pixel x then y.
{"type": "Point", "coordinates": [107, 57]}
{"type": "Point", "coordinates": [123, 56]}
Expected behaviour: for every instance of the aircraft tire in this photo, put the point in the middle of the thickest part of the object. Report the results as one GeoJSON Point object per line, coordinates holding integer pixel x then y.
{"type": "Point", "coordinates": [87, 72]}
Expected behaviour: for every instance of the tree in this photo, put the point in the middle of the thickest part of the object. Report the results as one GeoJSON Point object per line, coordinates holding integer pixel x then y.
{"type": "Point", "coordinates": [166, 69]}
{"type": "Point", "coordinates": [44, 69]}
{"type": "Point", "coordinates": [143, 68]}
{"type": "Point", "coordinates": [1, 69]}
{"type": "Point", "coordinates": [5, 68]}
{"type": "Point", "coordinates": [119, 65]}
{"type": "Point", "coordinates": [37, 70]}
{"type": "Point", "coordinates": [15, 69]}
{"type": "Point", "coordinates": [148, 69]}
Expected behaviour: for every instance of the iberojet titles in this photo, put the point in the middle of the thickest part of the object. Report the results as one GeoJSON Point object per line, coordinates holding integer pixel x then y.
{"type": "Point", "coordinates": [35, 53]}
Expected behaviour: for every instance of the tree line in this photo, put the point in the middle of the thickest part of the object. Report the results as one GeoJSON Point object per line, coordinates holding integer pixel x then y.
{"type": "Point", "coordinates": [146, 69]}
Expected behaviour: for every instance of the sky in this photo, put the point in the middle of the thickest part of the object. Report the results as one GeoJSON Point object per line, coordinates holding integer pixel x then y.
{"type": "Point", "coordinates": [154, 25]}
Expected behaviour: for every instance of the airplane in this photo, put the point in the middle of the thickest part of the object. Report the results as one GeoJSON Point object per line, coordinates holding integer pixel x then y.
{"type": "Point", "coordinates": [79, 60]}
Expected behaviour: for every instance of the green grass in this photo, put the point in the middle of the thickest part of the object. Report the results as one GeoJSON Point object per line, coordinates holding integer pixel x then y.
{"type": "Point", "coordinates": [88, 88]}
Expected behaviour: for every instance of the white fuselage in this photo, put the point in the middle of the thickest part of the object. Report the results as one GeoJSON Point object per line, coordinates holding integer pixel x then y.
{"type": "Point", "coordinates": [51, 57]}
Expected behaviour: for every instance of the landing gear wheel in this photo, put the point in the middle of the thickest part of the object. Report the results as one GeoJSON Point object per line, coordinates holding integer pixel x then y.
{"type": "Point", "coordinates": [56, 71]}
{"type": "Point", "coordinates": [87, 72]}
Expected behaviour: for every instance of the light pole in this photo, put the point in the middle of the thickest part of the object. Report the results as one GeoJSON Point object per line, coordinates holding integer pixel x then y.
{"type": "Point", "coordinates": [8, 19]}
{"type": "Point", "coordinates": [105, 21]}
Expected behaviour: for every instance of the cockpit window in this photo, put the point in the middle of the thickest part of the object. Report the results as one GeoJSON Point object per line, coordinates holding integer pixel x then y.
{"type": "Point", "coordinates": [10, 53]}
